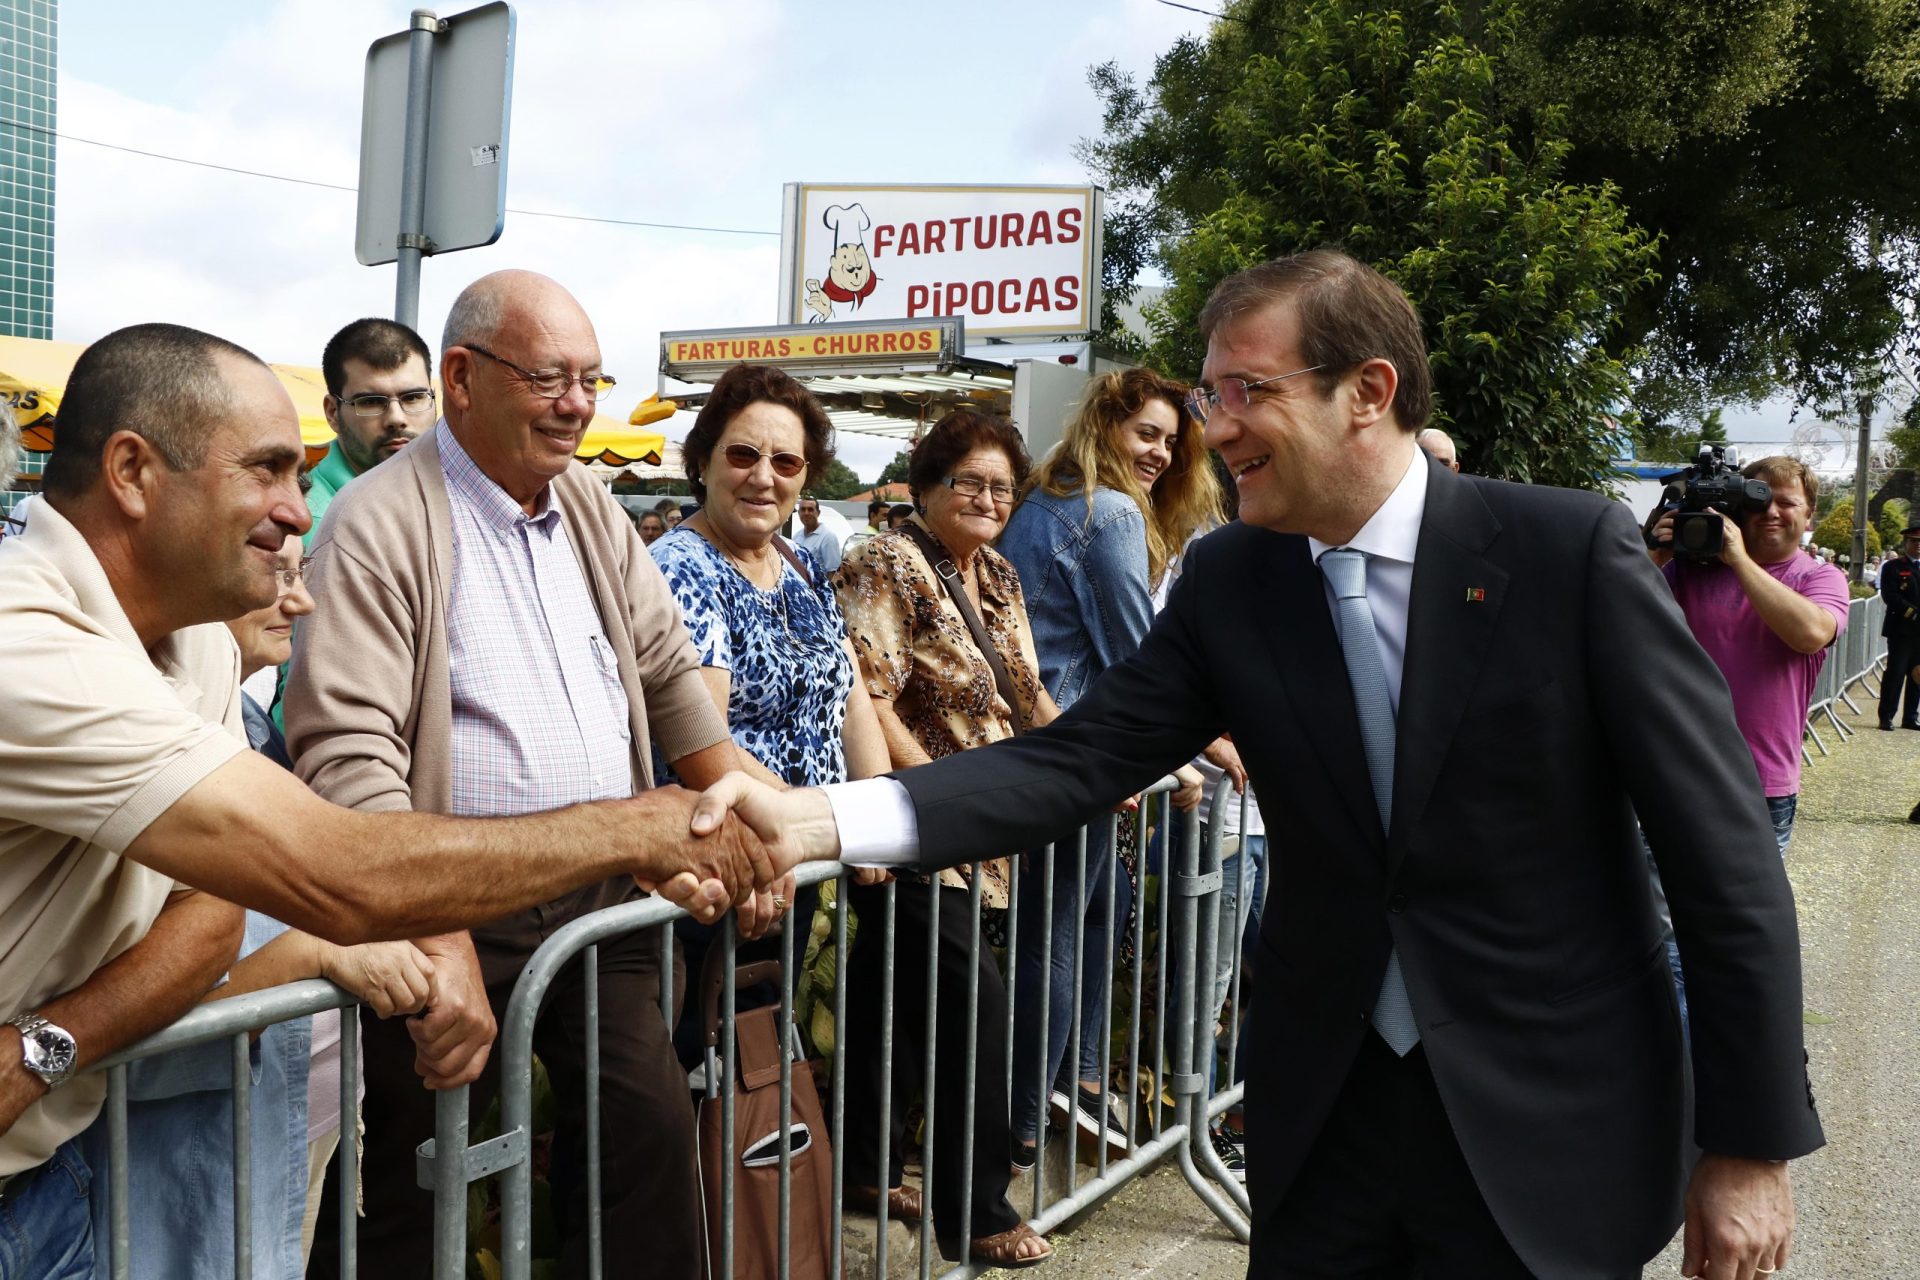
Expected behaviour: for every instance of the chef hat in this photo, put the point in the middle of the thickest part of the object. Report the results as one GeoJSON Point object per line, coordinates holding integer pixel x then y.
{"type": "Point", "coordinates": [849, 223]}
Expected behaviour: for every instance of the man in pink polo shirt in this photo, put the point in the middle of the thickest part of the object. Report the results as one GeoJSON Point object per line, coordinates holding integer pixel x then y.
{"type": "Point", "coordinates": [1766, 612]}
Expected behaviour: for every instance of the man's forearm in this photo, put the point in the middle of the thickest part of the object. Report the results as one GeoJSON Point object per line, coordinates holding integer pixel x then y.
{"type": "Point", "coordinates": [1803, 625]}
{"type": "Point", "coordinates": [435, 876]}
{"type": "Point", "coordinates": [192, 942]}
{"type": "Point", "coordinates": [253, 835]}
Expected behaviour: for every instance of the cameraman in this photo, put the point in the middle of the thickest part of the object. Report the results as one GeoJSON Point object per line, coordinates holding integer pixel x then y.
{"type": "Point", "coordinates": [1766, 613]}
{"type": "Point", "coordinates": [1900, 588]}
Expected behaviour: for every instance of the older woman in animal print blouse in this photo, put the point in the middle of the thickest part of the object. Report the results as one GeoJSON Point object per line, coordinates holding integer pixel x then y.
{"type": "Point", "coordinates": [935, 694]}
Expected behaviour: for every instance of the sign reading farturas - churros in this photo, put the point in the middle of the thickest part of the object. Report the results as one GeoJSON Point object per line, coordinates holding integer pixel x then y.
{"type": "Point", "coordinates": [1010, 260]}
{"type": "Point", "coordinates": [810, 345]}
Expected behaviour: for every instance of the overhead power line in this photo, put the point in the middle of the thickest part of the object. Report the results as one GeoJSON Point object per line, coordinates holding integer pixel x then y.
{"type": "Point", "coordinates": [335, 186]}
{"type": "Point", "coordinates": [1191, 9]}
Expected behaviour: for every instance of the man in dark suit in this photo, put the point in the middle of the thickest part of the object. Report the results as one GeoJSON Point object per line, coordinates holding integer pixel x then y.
{"type": "Point", "coordinates": [1900, 588]}
{"type": "Point", "coordinates": [1466, 1055]}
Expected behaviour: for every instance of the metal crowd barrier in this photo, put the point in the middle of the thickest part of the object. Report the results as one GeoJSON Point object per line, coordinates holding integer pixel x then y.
{"type": "Point", "coordinates": [233, 1020]}
{"type": "Point", "coordinates": [1856, 659]}
{"type": "Point", "coordinates": [1168, 1046]}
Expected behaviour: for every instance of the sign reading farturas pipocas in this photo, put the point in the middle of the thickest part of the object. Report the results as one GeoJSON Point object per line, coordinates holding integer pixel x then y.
{"type": "Point", "coordinates": [1013, 261]}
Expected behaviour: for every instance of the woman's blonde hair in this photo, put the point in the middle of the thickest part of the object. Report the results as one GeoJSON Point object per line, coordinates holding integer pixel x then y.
{"type": "Point", "coordinates": [1185, 500]}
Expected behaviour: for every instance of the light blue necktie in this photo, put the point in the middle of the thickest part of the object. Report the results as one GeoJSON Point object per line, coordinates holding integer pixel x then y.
{"type": "Point", "coordinates": [1346, 572]}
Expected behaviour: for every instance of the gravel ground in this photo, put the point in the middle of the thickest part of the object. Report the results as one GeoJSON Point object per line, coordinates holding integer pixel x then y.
{"type": "Point", "coordinates": [1855, 865]}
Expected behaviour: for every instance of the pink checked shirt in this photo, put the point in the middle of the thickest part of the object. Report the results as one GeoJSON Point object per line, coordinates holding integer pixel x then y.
{"type": "Point", "coordinates": [539, 715]}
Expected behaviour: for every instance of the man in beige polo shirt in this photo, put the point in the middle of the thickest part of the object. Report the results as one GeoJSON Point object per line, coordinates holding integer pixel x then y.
{"type": "Point", "coordinates": [124, 776]}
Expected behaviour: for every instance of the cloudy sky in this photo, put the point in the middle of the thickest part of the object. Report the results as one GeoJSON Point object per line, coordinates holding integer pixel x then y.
{"type": "Point", "coordinates": [691, 112]}
{"type": "Point", "coordinates": [679, 111]}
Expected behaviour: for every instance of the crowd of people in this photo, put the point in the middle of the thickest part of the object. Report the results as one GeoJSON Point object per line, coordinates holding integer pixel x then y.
{"type": "Point", "coordinates": [482, 702]}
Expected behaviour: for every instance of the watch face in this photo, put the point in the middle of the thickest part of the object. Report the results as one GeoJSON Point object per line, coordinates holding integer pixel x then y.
{"type": "Point", "coordinates": [50, 1052]}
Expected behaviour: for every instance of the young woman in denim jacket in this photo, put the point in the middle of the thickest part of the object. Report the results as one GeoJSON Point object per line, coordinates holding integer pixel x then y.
{"type": "Point", "coordinates": [1101, 519]}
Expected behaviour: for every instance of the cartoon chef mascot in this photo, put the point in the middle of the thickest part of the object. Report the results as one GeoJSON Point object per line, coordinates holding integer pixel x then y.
{"type": "Point", "coordinates": [850, 275]}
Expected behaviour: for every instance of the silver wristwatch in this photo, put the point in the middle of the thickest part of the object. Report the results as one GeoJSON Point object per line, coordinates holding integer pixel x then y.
{"type": "Point", "coordinates": [46, 1050]}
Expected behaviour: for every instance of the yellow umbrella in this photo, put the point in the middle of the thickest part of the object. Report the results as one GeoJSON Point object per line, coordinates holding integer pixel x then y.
{"type": "Point", "coordinates": [618, 446]}
{"type": "Point", "coordinates": [33, 377]}
{"type": "Point", "coordinates": [33, 373]}
{"type": "Point", "coordinates": [308, 388]}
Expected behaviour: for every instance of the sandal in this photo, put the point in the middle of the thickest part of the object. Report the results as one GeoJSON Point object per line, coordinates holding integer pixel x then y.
{"type": "Point", "coordinates": [1003, 1250]}
{"type": "Point", "coordinates": [903, 1203]}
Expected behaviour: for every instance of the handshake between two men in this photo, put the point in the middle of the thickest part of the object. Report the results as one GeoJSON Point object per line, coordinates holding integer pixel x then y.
{"type": "Point", "coordinates": [747, 840]}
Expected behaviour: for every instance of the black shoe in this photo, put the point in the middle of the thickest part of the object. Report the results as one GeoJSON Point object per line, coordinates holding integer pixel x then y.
{"type": "Point", "coordinates": [1230, 1154]}
{"type": "Point", "coordinates": [1887, 725]}
{"type": "Point", "coordinates": [1914, 817]}
{"type": "Point", "coordinates": [1025, 1156]}
{"type": "Point", "coordinates": [1910, 724]}
{"type": "Point", "coordinates": [1094, 1118]}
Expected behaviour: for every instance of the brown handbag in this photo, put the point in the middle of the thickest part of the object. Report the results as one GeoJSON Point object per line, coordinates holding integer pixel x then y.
{"type": "Point", "coordinates": [755, 1157]}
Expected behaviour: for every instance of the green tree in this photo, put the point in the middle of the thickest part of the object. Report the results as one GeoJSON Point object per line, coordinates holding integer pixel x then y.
{"type": "Point", "coordinates": [1658, 442]}
{"type": "Point", "coordinates": [837, 481]}
{"type": "Point", "coordinates": [1766, 147]}
{"type": "Point", "coordinates": [1770, 146]}
{"type": "Point", "coordinates": [1836, 531]}
{"type": "Point", "coordinates": [1905, 438]}
{"type": "Point", "coordinates": [1384, 131]}
{"type": "Point", "coordinates": [1893, 520]}
{"type": "Point", "coordinates": [895, 472]}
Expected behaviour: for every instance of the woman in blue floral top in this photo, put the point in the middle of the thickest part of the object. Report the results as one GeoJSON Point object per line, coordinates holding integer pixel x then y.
{"type": "Point", "coordinates": [773, 648]}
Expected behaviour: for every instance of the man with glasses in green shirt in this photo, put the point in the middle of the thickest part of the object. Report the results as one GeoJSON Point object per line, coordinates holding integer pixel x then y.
{"type": "Point", "coordinates": [379, 397]}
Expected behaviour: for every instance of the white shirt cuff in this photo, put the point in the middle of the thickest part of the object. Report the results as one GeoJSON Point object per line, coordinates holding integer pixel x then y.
{"type": "Point", "coordinates": [878, 827]}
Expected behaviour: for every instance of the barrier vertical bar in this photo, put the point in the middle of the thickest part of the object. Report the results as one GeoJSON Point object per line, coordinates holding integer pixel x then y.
{"type": "Point", "coordinates": [349, 1149]}
{"type": "Point", "coordinates": [838, 1123]}
{"type": "Point", "coordinates": [1012, 967]}
{"type": "Point", "coordinates": [119, 1211]}
{"type": "Point", "coordinates": [666, 975]}
{"type": "Point", "coordinates": [1205, 890]}
{"type": "Point", "coordinates": [1142, 851]}
{"type": "Point", "coordinates": [729, 1088]}
{"type": "Point", "coordinates": [1112, 870]}
{"type": "Point", "coordinates": [590, 970]}
{"type": "Point", "coordinates": [242, 1155]}
{"type": "Point", "coordinates": [884, 1168]}
{"type": "Point", "coordinates": [1160, 988]}
{"type": "Point", "coordinates": [1190, 886]}
{"type": "Point", "coordinates": [1043, 1000]}
{"type": "Point", "coordinates": [450, 1184]}
{"type": "Point", "coordinates": [1070, 1061]}
{"type": "Point", "coordinates": [971, 1106]}
{"type": "Point", "coordinates": [928, 1084]}
{"type": "Point", "coordinates": [785, 1252]}
{"type": "Point", "coordinates": [1242, 914]}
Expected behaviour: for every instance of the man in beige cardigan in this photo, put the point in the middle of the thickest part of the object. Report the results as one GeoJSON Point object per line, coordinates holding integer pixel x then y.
{"type": "Point", "coordinates": [491, 638]}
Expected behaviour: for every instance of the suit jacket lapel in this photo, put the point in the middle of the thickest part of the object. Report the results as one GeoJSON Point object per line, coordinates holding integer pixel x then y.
{"type": "Point", "coordinates": [1295, 620]}
{"type": "Point", "coordinates": [1457, 597]}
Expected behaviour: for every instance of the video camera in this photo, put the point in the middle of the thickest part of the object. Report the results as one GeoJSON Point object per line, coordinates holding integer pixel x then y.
{"type": "Point", "coordinates": [1712, 484]}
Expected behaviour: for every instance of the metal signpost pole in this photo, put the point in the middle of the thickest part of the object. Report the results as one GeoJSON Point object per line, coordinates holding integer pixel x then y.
{"type": "Point", "coordinates": [412, 243]}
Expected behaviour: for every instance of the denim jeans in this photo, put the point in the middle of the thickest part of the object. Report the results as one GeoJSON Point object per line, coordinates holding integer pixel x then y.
{"type": "Point", "coordinates": [1248, 868]}
{"type": "Point", "coordinates": [1782, 810]}
{"type": "Point", "coordinates": [46, 1226]}
{"type": "Point", "coordinates": [1033, 1077]}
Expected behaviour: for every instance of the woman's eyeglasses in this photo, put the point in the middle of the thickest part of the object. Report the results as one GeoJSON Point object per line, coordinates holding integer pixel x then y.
{"type": "Point", "coordinates": [291, 578]}
{"type": "Point", "coordinates": [745, 457]}
{"type": "Point", "coordinates": [974, 486]}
